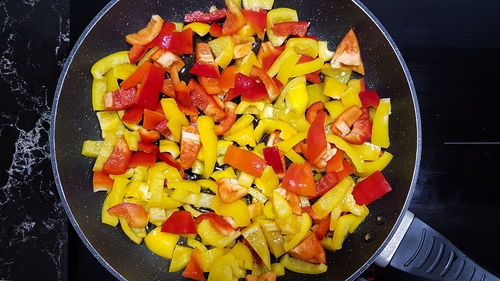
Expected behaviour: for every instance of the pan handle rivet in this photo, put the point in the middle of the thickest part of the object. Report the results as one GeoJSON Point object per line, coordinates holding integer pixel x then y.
{"type": "Point", "coordinates": [380, 219]}
{"type": "Point", "coordinates": [369, 236]}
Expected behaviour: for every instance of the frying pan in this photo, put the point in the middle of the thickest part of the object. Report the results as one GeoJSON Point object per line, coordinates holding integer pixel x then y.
{"type": "Point", "coordinates": [389, 235]}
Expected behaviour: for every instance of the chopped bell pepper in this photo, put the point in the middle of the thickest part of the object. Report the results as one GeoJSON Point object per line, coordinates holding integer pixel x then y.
{"type": "Point", "coordinates": [161, 243]}
{"type": "Point", "coordinates": [247, 63]}
{"type": "Point", "coordinates": [238, 210]}
{"type": "Point", "coordinates": [333, 88]}
{"type": "Point", "coordinates": [342, 74]}
{"type": "Point", "coordinates": [176, 42]}
{"type": "Point", "coordinates": [244, 160]}
{"type": "Point", "coordinates": [209, 143]}
{"type": "Point", "coordinates": [316, 138]}
{"type": "Point", "coordinates": [151, 119]}
{"type": "Point", "coordinates": [257, 20]}
{"type": "Point", "coordinates": [276, 16]}
{"type": "Point", "coordinates": [323, 51]}
{"type": "Point", "coordinates": [176, 119]}
{"type": "Point", "coordinates": [377, 165]}
{"type": "Point", "coordinates": [194, 268]}
{"type": "Point", "coordinates": [255, 237]}
{"type": "Point", "coordinates": [243, 254]}
{"type": "Point", "coordinates": [107, 63]}
{"type": "Point", "coordinates": [148, 135]}
{"type": "Point", "coordinates": [273, 158]}
{"type": "Point", "coordinates": [206, 70]}
{"type": "Point", "coordinates": [180, 258]}
{"type": "Point", "coordinates": [309, 250]}
{"type": "Point", "coordinates": [285, 64]}
{"type": "Point", "coordinates": [205, 102]}
{"type": "Point", "coordinates": [369, 98]}
{"type": "Point", "coordinates": [98, 92]}
{"type": "Point", "coordinates": [217, 222]}
{"type": "Point", "coordinates": [299, 179]}
{"type": "Point", "coordinates": [348, 54]}
{"type": "Point", "coordinates": [199, 16]}
{"type": "Point", "coordinates": [222, 48]}
{"type": "Point", "coordinates": [211, 236]}
{"type": "Point", "coordinates": [371, 189]}
{"type": "Point", "coordinates": [148, 33]}
{"type": "Point", "coordinates": [298, 28]}
{"type": "Point", "coordinates": [305, 223]}
{"type": "Point", "coordinates": [268, 181]}
{"type": "Point", "coordinates": [134, 214]}
{"type": "Point", "coordinates": [240, 124]}
{"type": "Point", "coordinates": [334, 108]}
{"type": "Point", "coordinates": [234, 20]}
{"type": "Point", "coordinates": [257, 5]}
{"type": "Point", "coordinates": [303, 267]}
{"type": "Point", "coordinates": [136, 52]}
{"type": "Point", "coordinates": [243, 137]}
{"type": "Point", "coordinates": [226, 123]}
{"type": "Point", "coordinates": [91, 148]}
{"type": "Point", "coordinates": [215, 30]}
{"type": "Point", "coordinates": [142, 159]}
{"type": "Point", "coordinates": [380, 129]}
{"type": "Point", "coordinates": [180, 222]}
{"type": "Point", "coordinates": [332, 198]}
{"type": "Point", "coordinates": [117, 162]}
{"type": "Point", "coordinates": [228, 78]}
{"type": "Point", "coordinates": [190, 146]}
{"type": "Point", "coordinates": [307, 67]}
{"type": "Point", "coordinates": [151, 85]}
{"type": "Point", "coordinates": [114, 197]}
{"type": "Point", "coordinates": [199, 28]}
{"type": "Point", "coordinates": [229, 190]}
{"type": "Point", "coordinates": [271, 87]}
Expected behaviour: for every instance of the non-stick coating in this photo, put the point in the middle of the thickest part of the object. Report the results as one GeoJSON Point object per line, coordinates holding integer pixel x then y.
{"type": "Point", "coordinates": [75, 122]}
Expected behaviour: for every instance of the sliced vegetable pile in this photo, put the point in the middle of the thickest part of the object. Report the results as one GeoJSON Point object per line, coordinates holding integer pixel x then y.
{"type": "Point", "coordinates": [259, 163]}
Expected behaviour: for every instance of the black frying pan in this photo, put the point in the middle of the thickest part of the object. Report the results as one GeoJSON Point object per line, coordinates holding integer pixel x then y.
{"type": "Point", "coordinates": [74, 122]}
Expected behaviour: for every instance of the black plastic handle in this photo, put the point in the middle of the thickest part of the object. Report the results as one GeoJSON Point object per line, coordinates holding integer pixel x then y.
{"type": "Point", "coordinates": [426, 253]}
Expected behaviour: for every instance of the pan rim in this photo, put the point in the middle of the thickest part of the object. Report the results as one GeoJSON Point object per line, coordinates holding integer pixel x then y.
{"type": "Point", "coordinates": [115, 273]}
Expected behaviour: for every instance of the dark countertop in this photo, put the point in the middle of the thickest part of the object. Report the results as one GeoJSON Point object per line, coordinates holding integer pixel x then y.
{"type": "Point", "coordinates": [452, 48]}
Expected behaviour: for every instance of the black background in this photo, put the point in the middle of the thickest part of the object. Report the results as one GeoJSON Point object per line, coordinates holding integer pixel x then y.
{"type": "Point", "coordinates": [452, 48]}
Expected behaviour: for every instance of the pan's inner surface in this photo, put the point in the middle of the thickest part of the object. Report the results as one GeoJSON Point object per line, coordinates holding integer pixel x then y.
{"type": "Point", "coordinates": [330, 20]}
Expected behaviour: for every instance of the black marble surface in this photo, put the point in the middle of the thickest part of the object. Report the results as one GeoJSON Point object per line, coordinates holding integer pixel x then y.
{"type": "Point", "coordinates": [452, 48]}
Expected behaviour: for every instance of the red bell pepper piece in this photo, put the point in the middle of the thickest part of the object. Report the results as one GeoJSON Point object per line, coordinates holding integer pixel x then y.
{"type": "Point", "coordinates": [256, 19]}
{"type": "Point", "coordinates": [371, 189]}
{"type": "Point", "coordinates": [313, 110]}
{"type": "Point", "coordinates": [273, 159]}
{"type": "Point", "coordinates": [210, 85]}
{"type": "Point", "coordinates": [229, 190]}
{"type": "Point", "coordinates": [193, 269]}
{"type": "Point", "coordinates": [299, 179]}
{"type": "Point", "coordinates": [298, 28]}
{"type": "Point", "coordinates": [342, 124]}
{"type": "Point", "coordinates": [268, 54]}
{"type": "Point", "coordinates": [234, 19]}
{"type": "Point", "coordinates": [226, 123]}
{"type": "Point", "coordinates": [147, 147]}
{"type": "Point", "coordinates": [321, 228]}
{"type": "Point", "coordinates": [217, 222]}
{"type": "Point", "coordinates": [206, 70]}
{"type": "Point", "coordinates": [205, 102]}
{"type": "Point", "coordinates": [151, 119]}
{"type": "Point", "coordinates": [199, 16]}
{"type": "Point", "coordinates": [257, 93]}
{"type": "Point", "coordinates": [314, 77]}
{"type": "Point", "coordinates": [142, 159]}
{"type": "Point", "coordinates": [180, 222]}
{"type": "Point", "coordinates": [245, 161]}
{"type": "Point", "coordinates": [278, 83]}
{"type": "Point", "coordinates": [325, 183]}
{"type": "Point", "coordinates": [102, 182]}
{"type": "Point", "coordinates": [150, 88]}
{"type": "Point", "coordinates": [169, 159]}
{"type": "Point", "coordinates": [362, 85]}
{"type": "Point", "coordinates": [133, 115]}
{"type": "Point", "coordinates": [311, 37]}
{"type": "Point", "coordinates": [369, 98]}
{"type": "Point", "coordinates": [167, 28]}
{"type": "Point", "coordinates": [120, 99]}
{"type": "Point", "coordinates": [215, 30]}
{"type": "Point", "coordinates": [310, 250]}
{"type": "Point", "coordinates": [242, 85]}
{"type": "Point", "coordinates": [148, 136]}
{"type": "Point", "coordinates": [168, 87]}
{"type": "Point", "coordinates": [228, 78]}
{"type": "Point", "coordinates": [176, 42]}
{"type": "Point", "coordinates": [294, 203]}
{"type": "Point", "coordinates": [138, 76]}
{"type": "Point", "coordinates": [117, 162]}
{"type": "Point", "coordinates": [335, 163]}
{"type": "Point", "coordinates": [190, 146]}
{"type": "Point", "coordinates": [182, 96]}
{"type": "Point", "coordinates": [163, 129]}
{"type": "Point", "coordinates": [312, 214]}
{"type": "Point", "coordinates": [133, 213]}
{"type": "Point", "coordinates": [271, 87]}
{"type": "Point", "coordinates": [347, 169]}
{"type": "Point", "coordinates": [136, 52]}
{"type": "Point", "coordinates": [316, 138]}
{"type": "Point", "coordinates": [361, 131]}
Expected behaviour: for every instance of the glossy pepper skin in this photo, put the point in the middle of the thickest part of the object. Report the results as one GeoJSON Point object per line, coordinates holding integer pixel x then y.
{"type": "Point", "coordinates": [299, 179]}
{"type": "Point", "coordinates": [180, 222]}
{"type": "Point", "coordinates": [117, 162]}
{"type": "Point", "coordinates": [245, 160]}
{"type": "Point", "coordinates": [199, 16]}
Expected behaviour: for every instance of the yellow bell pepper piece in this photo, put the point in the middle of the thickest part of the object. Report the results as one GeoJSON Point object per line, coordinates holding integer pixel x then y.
{"type": "Point", "coordinates": [256, 5]}
{"type": "Point", "coordinates": [332, 198]}
{"type": "Point", "coordinates": [270, 125]}
{"type": "Point", "coordinates": [297, 97]}
{"type": "Point", "coordinates": [287, 65]}
{"type": "Point", "coordinates": [268, 181]}
{"type": "Point", "coordinates": [380, 129]}
{"type": "Point", "coordinates": [188, 185]}
{"type": "Point", "coordinates": [114, 197]}
{"type": "Point", "coordinates": [243, 254]}
{"type": "Point", "coordinates": [180, 258]}
{"type": "Point", "coordinates": [335, 108]}
{"type": "Point", "coordinates": [351, 97]}
{"type": "Point", "coordinates": [111, 81]}
{"type": "Point", "coordinates": [199, 28]}
{"type": "Point", "coordinates": [247, 62]}
{"type": "Point", "coordinates": [176, 119]}
{"type": "Point", "coordinates": [258, 149]}
{"type": "Point", "coordinates": [211, 236]}
{"type": "Point", "coordinates": [178, 26]}
{"type": "Point", "coordinates": [342, 74]}
{"type": "Point", "coordinates": [244, 106]}
{"type": "Point", "coordinates": [123, 71]}
{"type": "Point", "coordinates": [222, 48]}
{"type": "Point", "coordinates": [171, 173]}
{"type": "Point", "coordinates": [195, 213]}
{"type": "Point", "coordinates": [147, 55]}
{"type": "Point", "coordinates": [341, 230]}
{"type": "Point", "coordinates": [208, 257]}
{"type": "Point", "coordinates": [140, 173]}
{"type": "Point", "coordinates": [208, 184]}
{"type": "Point", "coordinates": [315, 93]}
{"type": "Point", "coordinates": [298, 121]}
{"type": "Point", "coordinates": [98, 91]}
{"type": "Point", "coordinates": [323, 51]}
{"type": "Point", "coordinates": [244, 137]}
{"type": "Point", "coordinates": [237, 210]}
{"type": "Point", "coordinates": [288, 144]}
{"type": "Point", "coordinates": [294, 157]}
{"type": "Point", "coordinates": [161, 243]}
{"type": "Point", "coordinates": [333, 88]}
{"type": "Point", "coordinates": [107, 63]}
{"type": "Point", "coordinates": [132, 138]}
{"type": "Point", "coordinates": [129, 232]}
{"type": "Point", "coordinates": [347, 148]}
{"type": "Point", "coordinates": [377, 165]}
{"type": "Point", "coordinates": [104, 152]}
{"type": "Point", "coordinates": [359, 219]}
{"type": "Point", "coordinates": [195, 244]}
{"type": "Point", "coordinates": [279, 62]}
{"type": "Point", "coordinates": [156, 181]}
{"type": "Point", "coordinates": [276, 16]}
{"type": "Point", "coordinates": [198, 167]}
{"type": "Point", "coordinates": [170, 147]}
{"type": "Point", "coordinates": [240, 124]}
{"type": "Point", "coordinates": [110, 123]}
{"type": "Point", "coordinates": [255, 237]}
{"type": "Point", "coordinates": [185, 196]}
{"type": "Point", "coordinates": [222, 146]}
{"type": "Point", "coordinates": [367, 151]}
{"type": "Point", "coordinates": [226, 173]}
{"type": "Point", "coordinates": [91, 148]}
{"type": "Point", "coordinates": [269, 210]}
{"type": "Point", "coordinates": [245, 179]}
{"type": "Point", "coordinates": [223, 268]}
{"type": "Point", "coordinates": [303, 46]}
{"type": "Point", "coordinates": [209, 143]}
{"type": "Point", "coordinates": [278, 268]}
{"type": "Point", "coordinates": [349, 205]}
{"type": "Point", "coordinates": [257, 196]}
{"type": "Point", "coordinates": [334, 216]}
{"type": "Point", "coordinates": [157, 216]}
{"type": "Point", "coordinates": [305, 223]}
{"type": "Point", "coordinates": [274, 239]}
{"type": "Point", "coordinates": [280, 101]}
{"type": "Point", "coordinates": [246, 31]}
{"type": "Point", "coordinates": [280, 206]}
{"type": "Point", "coordinates": [301, 266]}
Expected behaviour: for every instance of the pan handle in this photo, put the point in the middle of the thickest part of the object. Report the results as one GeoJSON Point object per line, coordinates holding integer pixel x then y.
{"type": "Point", "coordinates": [418, 249]}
